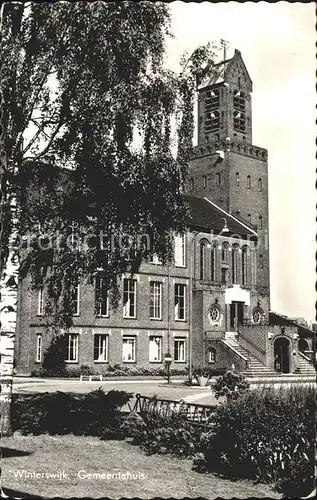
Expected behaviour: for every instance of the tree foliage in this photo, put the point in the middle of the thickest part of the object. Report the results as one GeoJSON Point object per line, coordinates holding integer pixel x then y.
{"type": "Point", "coordinates": [98, 135]}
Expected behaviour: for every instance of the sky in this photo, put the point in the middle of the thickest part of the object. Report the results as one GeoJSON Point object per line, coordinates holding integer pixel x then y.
{"type": "Point", "coordinates": [277, 43]}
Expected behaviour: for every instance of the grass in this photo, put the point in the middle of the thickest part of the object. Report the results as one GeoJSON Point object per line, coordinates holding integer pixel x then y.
{"type": "Point", "coordinates": [160, 475]}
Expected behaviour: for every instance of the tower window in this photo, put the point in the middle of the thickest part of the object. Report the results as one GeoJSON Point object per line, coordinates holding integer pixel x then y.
{"type": "Point", "coordinates": [261, 261]}
{"type": "Point", "coordinates": [239, 121]}
{"type": "Point", "coordinates": [212, 115]}
{"type": "Point", "coordinates": [204, 181]}
{"type": "Point", "coordinates": [218, 178]}
{"type": "Point", "coordinates": [212, 121]}
{"type": "Point", "coordinates": [239, 100]}
{"type": "Point", "coordinates": [260, 185]}
{"type": "Point", "coordinates": [212, 99]}
{"type": "Point", "coordinates": [260, 222]}
{"type": "Point", "coordinates": [237, 179]}
{"type": "Point", "coordinates": [249, 182]}
{"type": "Point", "coordinates": [191, 184]}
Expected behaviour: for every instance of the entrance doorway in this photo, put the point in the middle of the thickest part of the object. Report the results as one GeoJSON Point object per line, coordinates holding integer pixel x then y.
{"type": "Point", "coordinates": [236, 315]}
{"type": "Point", "coordinates": [281, 355]}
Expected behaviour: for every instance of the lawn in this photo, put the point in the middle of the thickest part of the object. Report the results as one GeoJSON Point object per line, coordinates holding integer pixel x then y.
{"type": "Point", "coordinates": [73, 458]}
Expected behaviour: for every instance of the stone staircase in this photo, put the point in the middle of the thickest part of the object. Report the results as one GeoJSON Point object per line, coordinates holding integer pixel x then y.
{"type": "Point", "coordinates": [255, 367]}
{"type": "Point", "coordinates": [259, 373]}
{"type": "Point", "coordinates": [304, 366]}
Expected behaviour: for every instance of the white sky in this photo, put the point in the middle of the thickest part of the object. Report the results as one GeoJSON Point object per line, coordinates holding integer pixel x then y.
{"type": "Point", "coordinates": [277, 42]}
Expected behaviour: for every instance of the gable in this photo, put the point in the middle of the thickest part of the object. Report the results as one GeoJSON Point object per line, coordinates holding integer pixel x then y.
{"type": "Point", "coordinates": [236, 70]}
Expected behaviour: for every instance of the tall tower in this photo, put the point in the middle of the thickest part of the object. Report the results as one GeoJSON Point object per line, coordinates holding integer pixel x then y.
{"type": "Point", "coordinates": [226, 167]}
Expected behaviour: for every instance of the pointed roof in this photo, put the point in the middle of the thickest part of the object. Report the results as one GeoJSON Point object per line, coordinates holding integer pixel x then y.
{"type": "Point", "coordinates": [207, 215]}
{"type": "Point", "coordinates": [218, 73]}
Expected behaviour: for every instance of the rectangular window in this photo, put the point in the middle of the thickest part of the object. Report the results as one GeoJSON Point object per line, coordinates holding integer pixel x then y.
{"type": "Point", "coordinates": [128, 349]}
{"type": "Point", "coordinates": [75, 300]}
{"type": "Point", "coordinates": [72, 348]}
{"type": "Point", "coordinates": [155, 260]}
{"type": "Point", "coordinates": [155, 349]}
{"type": "Point", "coordinates": [102, 300]}
{"type": "Point", "coordinates": [155, 300]}
{"type": "Point", "coordinates": [237, 179]}
{"type": "Point", "coordinates": [101, 348]}
{"type": "Point", "coordinates": [39, 348]}
{"type": "Point", "coordinates": [180, 253]}
{"type": "Point", "coordinates": [129, 298]}
{"type": "Point", "coordinates": [180, 350]}
{"type": "Point", "coordinates": [180, 302]}
{"type": "Point", "coordinates": [40, 302]}
{"type": "Point", "coordinates": [218, 178]}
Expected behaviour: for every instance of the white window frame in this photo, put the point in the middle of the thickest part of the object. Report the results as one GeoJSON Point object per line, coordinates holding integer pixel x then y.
{"type": "Point", "coordinates": [180, 249]}
{"type": "Point", "coordinates": [74, 347]}
{"type": "Point", "coordinates": [130, 293]}
{"type": "Point", "coordinates": [40, 302]}
{"type": "Point", "coordinates": [100, 305]}
{"type": "Point", "coordinates": [156, 297]}
{"type": "Point", "coordinates": [77, 311]}
{"type": "Point", "coordinates": [39, 345]}
{"type": "Point", "coordinates": [102, 347]}
{"type": "Point", "coordinates": [157, 340]}
{"type": "Point", "coordinates": [154, 259]}
{"type": "Point", "coordinates": [177, 298]}
{"type": "Point", "coordinates": [177, 341]}
{"type": "Point", "coordinates": [133, 339]}
{"type": "Point", "coordinates": [212, 355]}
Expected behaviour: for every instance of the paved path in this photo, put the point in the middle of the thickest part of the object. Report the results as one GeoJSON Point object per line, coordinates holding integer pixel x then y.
{"type": "Point", "coordinates": [175, 391]}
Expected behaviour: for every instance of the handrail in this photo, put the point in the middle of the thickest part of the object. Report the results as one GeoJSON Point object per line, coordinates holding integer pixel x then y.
{"type": "Point", "coordinates": [262, 351]}
{"type": "Point", "coordinates": [305, 357]}
{"type": "Point", "coordinates": [234, 350]}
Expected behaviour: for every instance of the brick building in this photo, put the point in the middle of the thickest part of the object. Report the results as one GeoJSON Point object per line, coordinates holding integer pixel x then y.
{"type": "Point", "coordinates": [211, 304]}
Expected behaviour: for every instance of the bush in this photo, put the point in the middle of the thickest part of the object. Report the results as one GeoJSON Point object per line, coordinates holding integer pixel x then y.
{"type": "Point", "coordinates": [165, 433]}
{"type": "Point", "coordinates": [268, 436]}
{"type": "Point", "coordinates": [60, 413]}
{"type": "Point", "coordinates": [231, 385]}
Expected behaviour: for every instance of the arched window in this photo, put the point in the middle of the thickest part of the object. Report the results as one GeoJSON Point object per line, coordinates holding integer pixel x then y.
{"type": "Point", "coordinates": [261, 261]}
{"type": "Point", "coordinates": [213, 262]}
{"type": "Point", "coordinates": [211, 355]}
{"type": "Point", "coordinates": [225, 252]}
{"type": "Point", "coordinates": [204, 181]}
{"type": "Point", "coordinates": [237, 179]}
{"type": "Point", "coordinates": [234, 264]}
{"type": "Point", "coordinates": [249, 181]}
{"type": "Point", "coordinates": [260, 185]}
{"type": "Point", "coordinates": [191, 184]}
{"type": "Point", "coordinates": [202, 271]}
{"type": "Point", "coordinates": [245, 265]}
{"type": "Point", "coordinates": [260, 222]}
{"type": "Point", "coordinates": [249, 217]}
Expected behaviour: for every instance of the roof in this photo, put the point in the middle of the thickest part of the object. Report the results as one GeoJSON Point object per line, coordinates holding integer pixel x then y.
{"type": "Point", "coordinates": [217, 73]}
{"type": "Point", "coordinates": [205, 214]}
{"type": "Point", "coordinates": [280, 319]}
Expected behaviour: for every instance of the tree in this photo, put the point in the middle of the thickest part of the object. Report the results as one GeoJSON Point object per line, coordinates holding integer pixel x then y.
{"type": "Point", "coordinates": [80, 82]}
